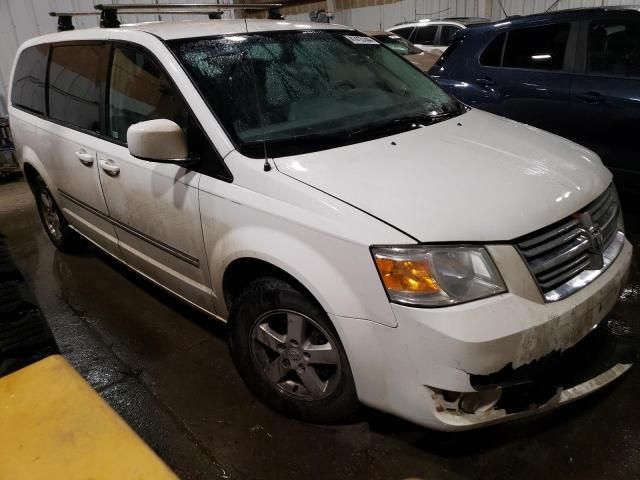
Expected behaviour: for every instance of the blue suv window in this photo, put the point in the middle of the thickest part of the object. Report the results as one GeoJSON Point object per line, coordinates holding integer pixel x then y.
{"type": "Point", "coordinates": [539, 48]}
{"type": "Point", "coordinates": [535, 48]}
{"type": "Point", "coordinates": [613, 48]}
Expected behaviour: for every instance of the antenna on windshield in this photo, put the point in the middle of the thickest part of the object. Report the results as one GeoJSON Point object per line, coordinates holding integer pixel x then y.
{"type": "Point", "coordinates": [267, 165]}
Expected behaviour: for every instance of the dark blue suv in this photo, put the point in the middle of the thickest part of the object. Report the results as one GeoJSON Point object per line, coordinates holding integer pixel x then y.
{"type": "Point", "coordinates": [575, 73]}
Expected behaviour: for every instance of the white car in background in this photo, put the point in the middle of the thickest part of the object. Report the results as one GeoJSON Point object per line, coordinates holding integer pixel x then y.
{"type": "Point", "coordinates": [366, 237]}
{"type": "Point", "coordinates": [434, 36]}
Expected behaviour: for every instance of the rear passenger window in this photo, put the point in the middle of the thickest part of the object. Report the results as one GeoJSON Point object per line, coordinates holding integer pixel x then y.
{"type": "Point", "coordinates": [492, 55]}
{"type": "Point", "coordinates": [29, 77]}
{"type": "Point", "coordinates": [538, 48]}
{"type": "Point", "coordinates": [140, 90]}
{"type": "Point", "coordinates": [447, 33]}
{"type": "Point", "coordinates": [425, 35]}
{"type": "Point", "coordinates": [613, 48]}
{"type": "Point", "coordinates": [77, 76]}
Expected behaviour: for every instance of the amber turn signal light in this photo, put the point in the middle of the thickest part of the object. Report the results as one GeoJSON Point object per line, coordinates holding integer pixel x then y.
{"type": "Point", "coordinates": [403, 275]}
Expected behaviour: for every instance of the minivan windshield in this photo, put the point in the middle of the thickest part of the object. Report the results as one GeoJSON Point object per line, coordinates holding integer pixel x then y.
{"type": "Point", "coordinates": [299, 91]}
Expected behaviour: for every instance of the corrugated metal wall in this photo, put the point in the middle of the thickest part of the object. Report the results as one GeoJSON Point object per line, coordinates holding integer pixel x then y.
{"type": "Point", "coordinates": [24, 19]}
{"type": "Point", "coordinates": [381, 16]}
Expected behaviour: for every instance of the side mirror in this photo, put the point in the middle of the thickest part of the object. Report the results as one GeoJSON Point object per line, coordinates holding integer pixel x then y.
{"type": "Point", "coordinates": [157, 141]}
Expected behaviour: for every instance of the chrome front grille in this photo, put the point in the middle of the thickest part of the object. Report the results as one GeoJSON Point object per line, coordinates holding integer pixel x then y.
{"type": "Point", "coordinates": [560, 252]}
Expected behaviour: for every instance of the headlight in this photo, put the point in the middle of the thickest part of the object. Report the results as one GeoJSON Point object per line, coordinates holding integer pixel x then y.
{"type": "Point", "coordinates": [620, 217]}
{"type": "Point", "coordinates": [620, 222]}
{"type": "Point", "coordinates": [437, 276]}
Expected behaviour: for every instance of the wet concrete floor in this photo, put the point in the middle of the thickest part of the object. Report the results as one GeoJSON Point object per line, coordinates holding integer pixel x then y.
{"type": "Point", "coordinates": [166, 369]}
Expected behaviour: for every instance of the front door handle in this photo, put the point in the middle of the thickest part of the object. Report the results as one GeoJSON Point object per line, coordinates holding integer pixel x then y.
{"type": "Point", "coordinates": [109, 167]}
{"type": "Point", "coordinates": [85, 157]}
{"type": "Point", "coordinates": [592, 98]}
{"type": "Point", "coordinates": [485, 82]}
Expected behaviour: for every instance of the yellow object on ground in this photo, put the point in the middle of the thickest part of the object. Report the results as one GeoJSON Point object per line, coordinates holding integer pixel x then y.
{"type": "Point", "coordinates": [53, 425]}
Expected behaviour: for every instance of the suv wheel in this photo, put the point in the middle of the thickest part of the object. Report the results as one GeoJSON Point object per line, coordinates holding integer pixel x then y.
{"type": "Point", "coordinates": [53, 221]}
{"type": "Point", "coordinates": [289, 354]}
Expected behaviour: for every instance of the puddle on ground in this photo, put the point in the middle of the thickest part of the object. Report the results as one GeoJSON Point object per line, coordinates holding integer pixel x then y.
{"type": "Point", "coordinates": [631, 294]}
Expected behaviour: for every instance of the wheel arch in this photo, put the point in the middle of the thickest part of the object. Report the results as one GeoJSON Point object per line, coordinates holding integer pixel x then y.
{"type": "Point", "coordinates": [242, 271]}
{"type": "Point", "coordinates": [338, 275]}
{"type": "Point", "coordinates": [33, 167]}
{"type": "Point", "coordinates": [30, 173]}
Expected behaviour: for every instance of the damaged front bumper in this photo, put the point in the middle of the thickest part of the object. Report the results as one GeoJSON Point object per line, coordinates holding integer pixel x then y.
{"type": "Point", "coordinates": [549, 382]}
{"type": "Point", "coordinates": [483, 362]}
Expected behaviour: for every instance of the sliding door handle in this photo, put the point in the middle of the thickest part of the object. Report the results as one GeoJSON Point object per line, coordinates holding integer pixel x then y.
{"type": "Point", "coordinates": [592, 98]}
{"type": "Point", "coordinates": [485, 82]}
{"type": "Point", "coordinates": [85, 157]}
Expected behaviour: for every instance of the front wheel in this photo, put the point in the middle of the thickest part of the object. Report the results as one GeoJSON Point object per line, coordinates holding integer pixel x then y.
{"type": "Point", "coordinates": [289, 354]}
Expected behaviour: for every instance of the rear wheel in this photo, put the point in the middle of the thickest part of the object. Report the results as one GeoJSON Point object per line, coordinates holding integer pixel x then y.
{"type": "Point", "coordinates": [54, 223]}
{"type": "Point", "coordinates": [289, 354]}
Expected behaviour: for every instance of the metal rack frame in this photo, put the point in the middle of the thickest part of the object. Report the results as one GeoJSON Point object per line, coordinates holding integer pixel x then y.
{"type": "Point", "coordinates": [109, 12]}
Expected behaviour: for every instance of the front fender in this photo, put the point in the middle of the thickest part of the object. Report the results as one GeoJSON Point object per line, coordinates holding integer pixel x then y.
{"type": "Point", "coordinates": [323, 244]}
{"type": "Point", "coordinates": [345, 289]}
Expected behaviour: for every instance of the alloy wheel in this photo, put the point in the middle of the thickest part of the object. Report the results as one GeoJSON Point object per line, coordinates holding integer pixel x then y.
{"type": "Point", "coordinates": [295, 354]}
{"type": "Point", "coordinates": [50, 215]}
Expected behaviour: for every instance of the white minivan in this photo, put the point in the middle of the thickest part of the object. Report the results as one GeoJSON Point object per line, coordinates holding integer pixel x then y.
{"type": "Point", "coordinates": [367, 238]}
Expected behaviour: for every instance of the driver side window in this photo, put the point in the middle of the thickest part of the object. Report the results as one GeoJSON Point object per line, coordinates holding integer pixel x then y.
{"type": "Point", "coordinates": [140, 90]}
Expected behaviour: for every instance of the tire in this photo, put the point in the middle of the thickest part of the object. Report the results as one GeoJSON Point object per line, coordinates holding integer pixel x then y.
{"type": "Point", "coordinates": [281, 371]}
{"type": "Point", "coordinates": [54, 223]}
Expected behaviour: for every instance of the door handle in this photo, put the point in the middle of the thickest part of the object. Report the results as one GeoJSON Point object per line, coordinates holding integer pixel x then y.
{"type": "Point", "coordinates": [485, 82]}
{"type": "Point", "coordinates": [592, 98]}
{"type": "Point", "coordinates": [84, 157]}
{"type": "Point", "coordinates": [109, 167]}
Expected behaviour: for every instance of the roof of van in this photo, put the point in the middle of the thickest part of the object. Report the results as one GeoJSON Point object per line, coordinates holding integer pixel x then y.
{"type": "Point", "coordinates": [190, 28]}
{"type": "Point", "coordinates": [202, 28]}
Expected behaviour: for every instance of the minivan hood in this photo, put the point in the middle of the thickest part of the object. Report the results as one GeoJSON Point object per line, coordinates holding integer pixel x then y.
{"type": "Point", "coordinates": [475, 177]}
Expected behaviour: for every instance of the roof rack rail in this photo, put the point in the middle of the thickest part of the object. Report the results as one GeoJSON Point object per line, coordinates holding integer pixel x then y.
{"type": "Point", "coordinates": [109, 12]}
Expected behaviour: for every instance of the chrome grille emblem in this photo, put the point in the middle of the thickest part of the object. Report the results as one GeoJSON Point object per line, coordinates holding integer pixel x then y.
{"type": "Point", "coordinates": [593, 232]}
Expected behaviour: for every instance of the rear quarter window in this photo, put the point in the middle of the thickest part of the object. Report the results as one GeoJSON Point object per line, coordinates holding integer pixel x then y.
{"type": "Point", "coordinates": [492, 55]}
{"type": "Point", "coordinates": [28, 86]}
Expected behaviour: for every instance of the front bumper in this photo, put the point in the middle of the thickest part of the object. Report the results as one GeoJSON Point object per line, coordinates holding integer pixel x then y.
{"type": "Point", "coordinates": [465, 348]}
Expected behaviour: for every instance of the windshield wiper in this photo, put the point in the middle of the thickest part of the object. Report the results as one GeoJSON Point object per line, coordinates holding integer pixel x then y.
{"type": "Point", "coordinates": [290, 144]}
{"type": "Point", "coordinates": [315, 138]}
{"type": "Point", "coordinates": [401, 124]}
{"type": "Point", "coordinates": [331, 139]}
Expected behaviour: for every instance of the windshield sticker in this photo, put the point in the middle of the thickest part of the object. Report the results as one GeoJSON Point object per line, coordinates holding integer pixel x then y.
{"type": "Point", "coordinates": [359, 40]}
{"type": "Point", "coordinates": [395, 37]}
